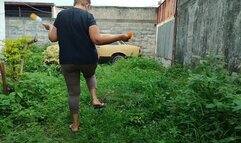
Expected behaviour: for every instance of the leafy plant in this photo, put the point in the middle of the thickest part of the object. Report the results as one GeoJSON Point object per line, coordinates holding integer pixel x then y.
{"type": "Point", "coordinates": [51, 55]}
{"type": "Point", "coordinates": [14, 52]}
{"type": "Point", "coordinates": [146, 102]}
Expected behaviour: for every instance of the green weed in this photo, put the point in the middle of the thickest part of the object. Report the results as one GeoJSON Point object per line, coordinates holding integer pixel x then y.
{"type": "Point", "coordinates": [146, 102]}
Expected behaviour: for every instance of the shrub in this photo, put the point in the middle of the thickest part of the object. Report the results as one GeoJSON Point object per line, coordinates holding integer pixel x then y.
{"type": "Point", "coordinates": [14, 53]}
{"type": "Point", "coordinates": [51, 55]}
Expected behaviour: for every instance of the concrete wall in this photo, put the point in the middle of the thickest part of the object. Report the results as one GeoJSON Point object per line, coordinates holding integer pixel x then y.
{"type": "Point", "coordinates": [209, 26]}
{"type": "Point", "coordinates": [17, 27]}
{"type": "Point", "coordinates": [113, 20]}
{"type": "Point", "coordinates": [2, 22]}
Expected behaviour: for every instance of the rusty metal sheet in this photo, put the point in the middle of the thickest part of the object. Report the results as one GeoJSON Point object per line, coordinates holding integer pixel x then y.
{"type": "Point", "coordinates": [165, 39]}
{"type": "Point", "coordinates": [166, 10]}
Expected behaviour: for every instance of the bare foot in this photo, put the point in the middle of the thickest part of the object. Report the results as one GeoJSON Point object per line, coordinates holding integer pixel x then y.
{"type": "Point", "coordinates": [74, 127]}
{"type": "Point", "coordinates": [95, 101]}
{"type": "Point", "coordinates": [97, 104]}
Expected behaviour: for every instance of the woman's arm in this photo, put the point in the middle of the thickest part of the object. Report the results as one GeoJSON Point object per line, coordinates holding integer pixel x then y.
{"type": "Point", "coordinates": [52, 32]}
{"type": "Point", "coordinates": [99, 39]}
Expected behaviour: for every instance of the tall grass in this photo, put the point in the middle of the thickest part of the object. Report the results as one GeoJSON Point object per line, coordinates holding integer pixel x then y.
{"type": "Point", "coordinates": [146, 102]}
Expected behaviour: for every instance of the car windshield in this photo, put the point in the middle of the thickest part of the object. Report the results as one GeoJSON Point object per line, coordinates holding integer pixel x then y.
{"type": "Point", "coordinates": [115, 43]}
{"type": "Point", "coordinates": [121, 42]}
{"type": "Point", "coordinates": [118, 43]}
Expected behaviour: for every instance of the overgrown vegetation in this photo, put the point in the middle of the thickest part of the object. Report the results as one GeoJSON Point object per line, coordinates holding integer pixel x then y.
{"type": "Point", "coordinates": [145, 103]}
{"type": "Point", "coordinates": [14, 53]}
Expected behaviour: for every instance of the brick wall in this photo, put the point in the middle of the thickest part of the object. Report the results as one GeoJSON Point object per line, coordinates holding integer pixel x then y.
{"type": "Point", "coordinates": [111, 20]}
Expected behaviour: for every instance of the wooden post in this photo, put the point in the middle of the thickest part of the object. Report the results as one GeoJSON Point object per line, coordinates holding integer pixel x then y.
{"type": "Point", "coordinates": [25, 48]}
{"type": "Point", "coordinates": [22, 60]}
{"type": "Point", "coordinates": [4, 78]}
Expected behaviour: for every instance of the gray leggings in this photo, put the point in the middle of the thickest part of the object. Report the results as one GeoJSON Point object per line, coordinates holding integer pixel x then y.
{"type": "Point", "coordinates": [72, 78]}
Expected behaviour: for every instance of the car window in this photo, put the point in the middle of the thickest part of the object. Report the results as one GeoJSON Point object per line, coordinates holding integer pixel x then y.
{"type": "Point", "coordinates": [121, 42]}
{"type": "Point", "coordinates": [115, 43]}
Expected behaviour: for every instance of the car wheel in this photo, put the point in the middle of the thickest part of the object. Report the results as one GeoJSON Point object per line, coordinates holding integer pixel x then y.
{"type": "Point", "coordinates": [115, 58]}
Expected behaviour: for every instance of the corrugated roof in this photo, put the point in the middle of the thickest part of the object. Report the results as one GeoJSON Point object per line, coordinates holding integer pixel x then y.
{"type": "Point", "coordinates": [29, 3]}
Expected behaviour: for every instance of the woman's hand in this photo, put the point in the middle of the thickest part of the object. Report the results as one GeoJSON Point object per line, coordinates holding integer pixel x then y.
{"type": "Point", "coordinates": [47, 26]}
{"type": "Point", "coordinates": [127, 37]}
{"type": "Point", "coordinates": [52, 32]}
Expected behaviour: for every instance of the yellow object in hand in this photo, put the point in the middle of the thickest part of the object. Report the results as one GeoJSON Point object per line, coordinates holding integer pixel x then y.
{"type": "Point", "coordinates": [35, 17]}
{"type": "Point", "coordinates": [130, 34]}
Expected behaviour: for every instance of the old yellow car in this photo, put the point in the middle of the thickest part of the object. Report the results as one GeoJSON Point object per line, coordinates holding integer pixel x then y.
{"type": "Point", "coordinates": [106, 53]}
{"type": "Point", "coordinates": [117, 50]}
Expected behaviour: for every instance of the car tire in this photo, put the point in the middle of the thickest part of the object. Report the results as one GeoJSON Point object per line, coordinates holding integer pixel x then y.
{"type": "Point", "coordinates": [115, 58]}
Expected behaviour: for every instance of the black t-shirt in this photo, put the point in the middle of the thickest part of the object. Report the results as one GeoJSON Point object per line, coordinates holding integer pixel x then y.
{"type": "Point", "coordinates": [75, 44]}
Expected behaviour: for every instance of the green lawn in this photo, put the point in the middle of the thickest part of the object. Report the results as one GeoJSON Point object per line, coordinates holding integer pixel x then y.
{"type": "Point", "coordinates": [145, 103]}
